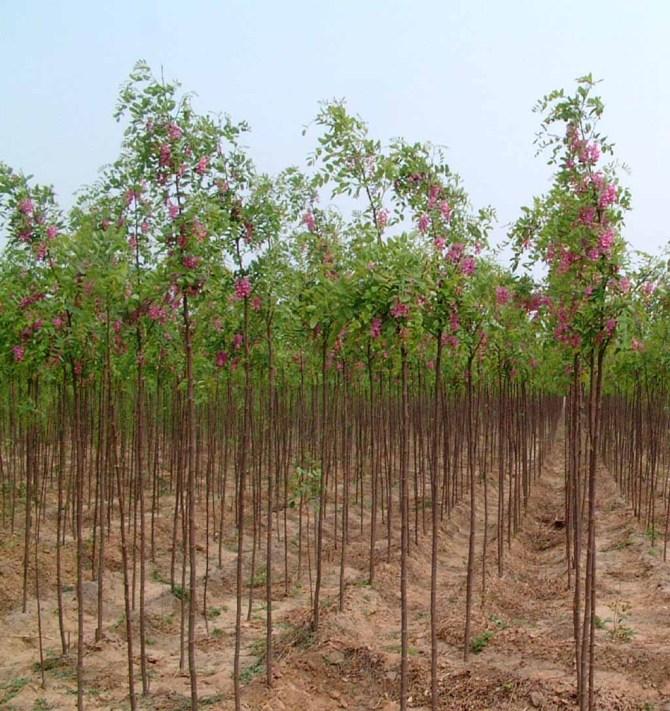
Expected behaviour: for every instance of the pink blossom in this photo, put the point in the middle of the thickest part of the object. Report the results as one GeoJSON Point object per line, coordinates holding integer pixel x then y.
{"type": "Point", "coordinates": [145, 226]}
{"type": "Point", "coordinates": [637, 345]}
{"type": "Point", "coordinates": [593, 254]}
{"type": "Point", "coordinates": [164, 154]}
{"type": "Point", "coordinates": [256, 303]}
{"type": "Point", "coordinates": [468, 266]}
{"type": "Point", "coordinates": [238, 340]}
{"type": "Point", "coordinates": [19, 353]}
{"type": "Point", "coordinates": [26, 206]}
{"type": "Point", "coordinates": [445, 209]}
{"type": "Point", "coordinates": [608, 196]}
{"type": "Point", "coordinates": [199, 230]}
{"type": "Point", "coordinates": [202, 166]}
{"type": "Point", "coordinates": [454, 321]}
{"type": "Point", "coordinates": [309, 221]}
{"type": "Point", "coordinates": [155, 312]}
{"type": "Point", "coordinates": [607, 240]}
{"type": "Point", "coordinates": [52, 232]}
{"type": "Point", "coordinates": [424, 223]}
{"type": "Point", "coordinates": [589, 153]}
{"type": "Point", "coordinates": [610, 326]}
{"type": "Point", "coordinates": [433, 195]}
{"type": "Point", "coordinates": [117, 326]}
{"type": "Point", "coordinates": [624, 285]}
{"type": "Point", "coordinates": [242, 288]}
{"type": "Point", "coordinates": [25, 235]}
{"type": "Point", "coordinates": [399, 310]}
{"type": "Point", "coordinates": [376, 328]}
{"type": "Point", "coordinates": [382, 218]}
{"type": "Point", "coordinates": [502, 295]}
{"type": "Point", "coordinates": [42, 251]}
{"type": "Point", "coordinates": [218, 325]}
{"type": "Point", "coordinates": [173, 209]}
{"type": "Point", "coordinates": [648, 288]}
{"type": "Point", "coordinates": [587, 216]}
{"type": "Point", "coordinates": [190, 262]}
{"type": "Point", "coordinates": [451, 341]}
{"type": "Point", "coordinates": [440, 243]}
{"type": "Point", "coordinates": [455, 252]}
{"type": "Point", "coordinates": [221, 359]}
{"type": "Point", "coordinates": [174, 132]}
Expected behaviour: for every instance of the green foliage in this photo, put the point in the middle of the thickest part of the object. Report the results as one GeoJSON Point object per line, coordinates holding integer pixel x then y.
{"type": "Point", "coordinates": [481, 641]}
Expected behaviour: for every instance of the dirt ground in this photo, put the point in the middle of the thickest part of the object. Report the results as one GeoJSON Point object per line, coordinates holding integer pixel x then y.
{"type": "Point", "coordinates": [523, 623]}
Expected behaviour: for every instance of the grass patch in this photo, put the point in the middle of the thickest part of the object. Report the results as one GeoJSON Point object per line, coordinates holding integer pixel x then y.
{"type": "Point", "coordinates": [481, 641]}
{"type": "Point", "coordinates": [11, 688]}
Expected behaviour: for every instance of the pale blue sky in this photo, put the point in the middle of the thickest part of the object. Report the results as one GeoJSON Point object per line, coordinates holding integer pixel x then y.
{"type": "Point", "coordinates": [460, 73]}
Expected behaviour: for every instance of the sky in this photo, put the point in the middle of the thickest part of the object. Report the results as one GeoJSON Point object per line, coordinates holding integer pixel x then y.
{"type": "Point", "coordinates": [462, 74]}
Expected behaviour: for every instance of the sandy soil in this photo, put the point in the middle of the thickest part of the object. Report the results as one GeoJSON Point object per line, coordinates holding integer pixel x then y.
{"type": "Point", "coordinates": [353, 664]}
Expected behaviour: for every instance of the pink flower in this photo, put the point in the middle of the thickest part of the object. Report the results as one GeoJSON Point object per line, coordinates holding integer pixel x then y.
{"type": "Point", "coordinates": [256, 303]}
{"type": "Point", "coordinates": [376, 328]}
{"type": "Point", "coordinates": [173, 210]}
{"type": "Point", "coordinates": [610, 326]}
{"type": "Point", "coordinates": [433, 195]}
{"type": "Point", "coordinates": [221, 359]}
{"type": "Point", "coordinates": [58, 322]}
{"type": "Point", "coordinates": [637, 345]}
{"type": "Point", "coordinates": [199, 230]}
{"type": "Point", "coordinates": [468, 266]}
{"type": "Point", "coordinates": [424, 223]}
{"type": "Point", "coordinates": [164, 154]}
{"type": "Point", "coordinates": [117, 326]}
{"type": "Point", "coordinates": [238, 340]}
{"type": "Point", "coordinates": [202, 166]}
{"type": "Point", "coordinates": [589, 153]}
{"type": "Point", "coordinates": [382, 218]}
{"type": "Point", "coordinates": [440, 243]}
{"type": "Point", "coordinates": [218, 325]}
{"type": "Point", "coordinates": [190, 262]}
{"type": "Point", "coordinates": [309, 221]}
{"type": "Point", "coordinates": [155, 312]}
{"type": "Point", "coordinates": [399, 310]}
{"type": "Point", "coordinates": [607, 240]}
{"type": "Point", "coordinates": [502, 295]}
{"type": "Point", "coordinates": [52, 232]}
{"type": "Point", "coordinates": [455, 252]}
{"type": "Point", "coordinates": [26, 206]}
{"type": "Point", "coordinates": [19, 353]}
{"type": "Point", "coordinates": [445, 210]}
{"type": "Point", "coordinates": [451, 341]}
{"type": "Point", "coordinates": [648, 288]}
{"type": "Point", "coordinates": [624, 285]}
{"type": "Point", "coordinates": [608, 196]}
{"type": "Point", "coordinates": [174, 132]}
{"type": "Point", "coordinates": [587, 216]}
{"type": "Point", "coordinates": [242, 288]}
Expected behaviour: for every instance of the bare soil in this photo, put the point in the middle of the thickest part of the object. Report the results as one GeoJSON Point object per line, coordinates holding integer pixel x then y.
{"type": "Point", "coordinates": [525, 662]}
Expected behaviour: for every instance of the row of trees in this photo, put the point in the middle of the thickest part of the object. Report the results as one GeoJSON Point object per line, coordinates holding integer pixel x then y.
{"type": "Point", "coordinates": [200, 341]}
